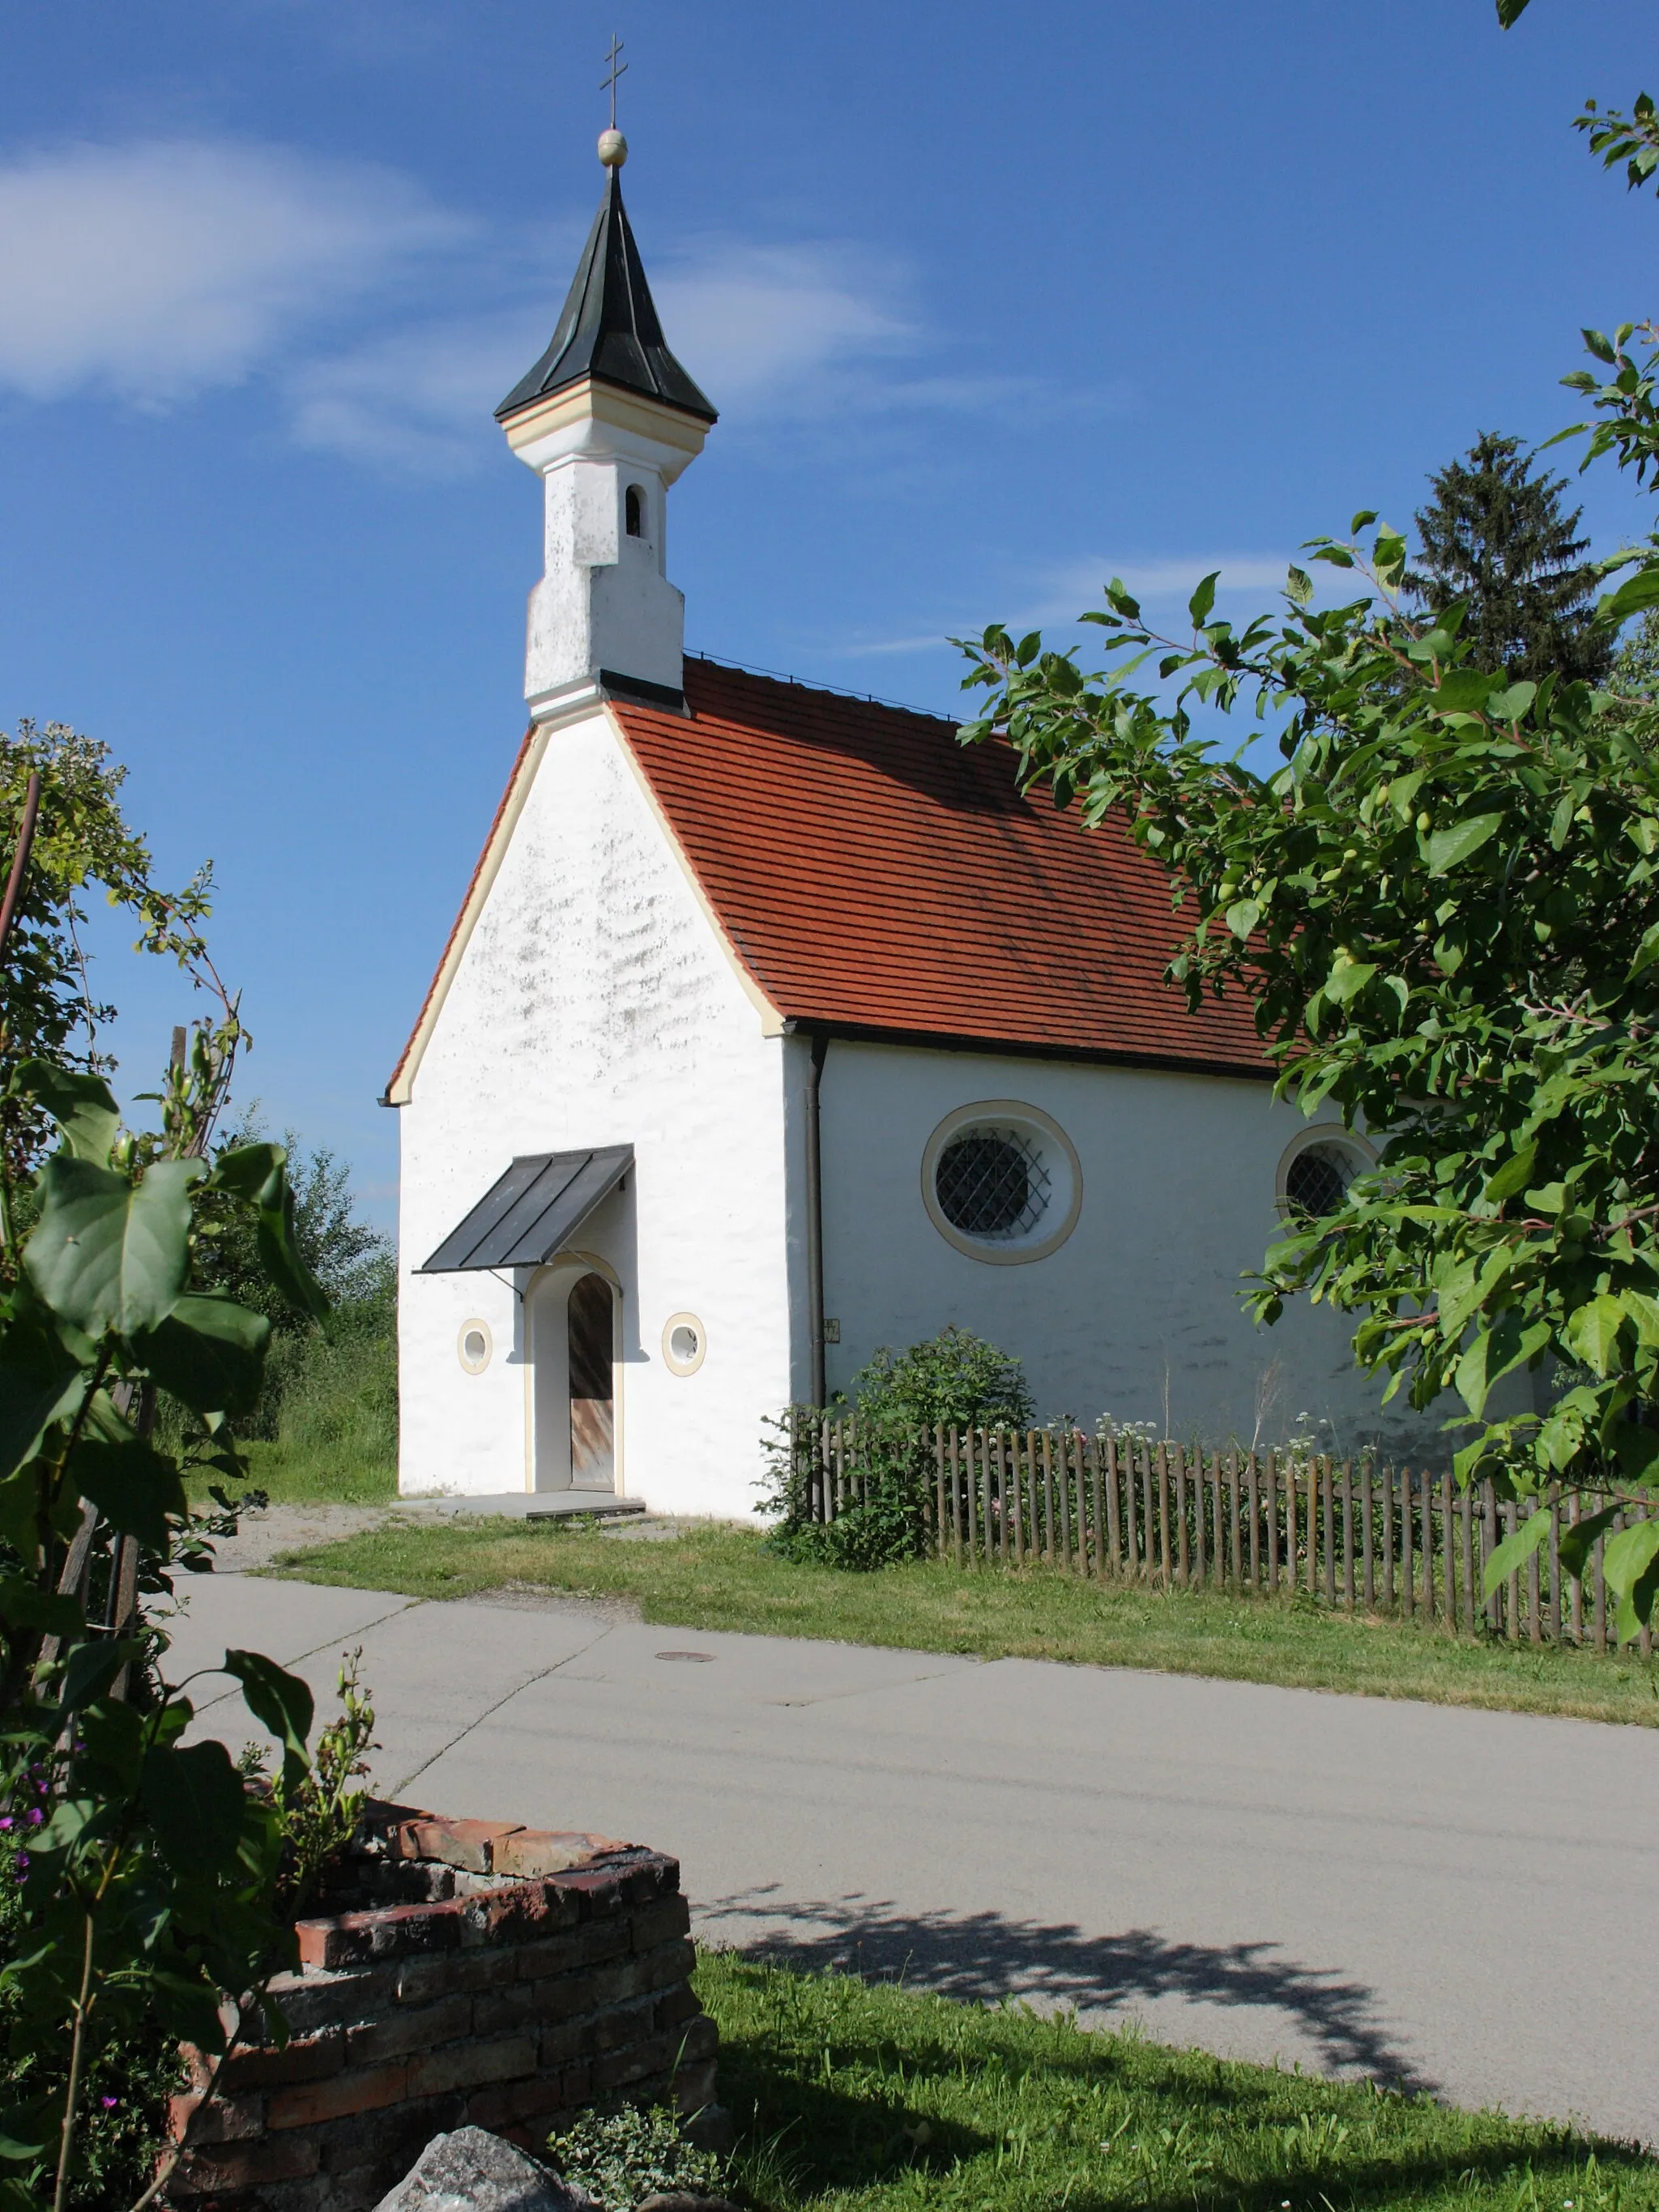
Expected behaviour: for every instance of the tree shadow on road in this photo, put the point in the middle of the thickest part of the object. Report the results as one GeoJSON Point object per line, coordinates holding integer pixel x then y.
{"type": "Point", "coordinates": [987, 1957]}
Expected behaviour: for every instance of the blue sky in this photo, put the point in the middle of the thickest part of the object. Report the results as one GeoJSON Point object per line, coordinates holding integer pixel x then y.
{"type": "Point", "coordinates": [994, 301]}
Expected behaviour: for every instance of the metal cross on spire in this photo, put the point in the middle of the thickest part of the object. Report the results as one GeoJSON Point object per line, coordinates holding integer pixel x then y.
{"type": "Point", "coordinates": [617, 68]}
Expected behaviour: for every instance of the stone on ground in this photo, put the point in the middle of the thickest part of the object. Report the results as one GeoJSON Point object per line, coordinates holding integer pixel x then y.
{"type": "Point", "coordinates": [472, 2170]}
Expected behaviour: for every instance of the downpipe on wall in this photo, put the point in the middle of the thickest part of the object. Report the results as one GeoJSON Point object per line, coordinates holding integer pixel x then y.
{"type": "Point", "coordinates": [815, 1217]}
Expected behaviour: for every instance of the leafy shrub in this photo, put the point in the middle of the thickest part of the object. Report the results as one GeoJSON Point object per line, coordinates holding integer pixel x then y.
{"type": "Point", "coordinates": [953, 1380]}
{"type": "Point", "coordinates": [624, 2156]}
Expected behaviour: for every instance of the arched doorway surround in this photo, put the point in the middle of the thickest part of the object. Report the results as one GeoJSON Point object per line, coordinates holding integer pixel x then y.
{"type": "Point", "coordinates": [574, 1314]}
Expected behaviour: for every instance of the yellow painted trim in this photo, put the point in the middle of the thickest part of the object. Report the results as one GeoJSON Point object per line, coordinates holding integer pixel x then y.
{"type": "Point", "coordinates": [771, 1018]}
{"type": "Point", "coordinates": [590, 402]}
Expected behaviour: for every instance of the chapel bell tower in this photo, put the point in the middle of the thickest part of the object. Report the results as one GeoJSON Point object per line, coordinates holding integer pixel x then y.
{"type": "Point", "coordinates": [608, 419]}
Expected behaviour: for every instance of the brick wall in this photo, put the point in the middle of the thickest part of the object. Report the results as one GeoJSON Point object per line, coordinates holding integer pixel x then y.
{"type": "Point", "coordinates": [465, 1970]}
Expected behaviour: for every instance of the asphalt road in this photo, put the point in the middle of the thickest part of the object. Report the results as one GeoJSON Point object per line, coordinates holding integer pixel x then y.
{"type": "Point", "coordinates": [1466, 1902]}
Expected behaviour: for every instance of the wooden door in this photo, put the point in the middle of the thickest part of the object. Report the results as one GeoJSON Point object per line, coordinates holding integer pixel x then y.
{"type": "Point", "coordinates": [593, 1413]}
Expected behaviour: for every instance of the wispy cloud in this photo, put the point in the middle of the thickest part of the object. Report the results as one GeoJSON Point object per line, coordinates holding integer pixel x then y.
{"type": "Point", "coordinates": [1057, 594]}
{"type": "Point", "coordinates": [159, 269]}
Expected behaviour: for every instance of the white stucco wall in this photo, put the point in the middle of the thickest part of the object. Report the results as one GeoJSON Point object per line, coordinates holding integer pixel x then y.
{"type": "Point", "coordinates": [1138, 1313]}
{"type": "Point", "coordinates": [594, 1005]}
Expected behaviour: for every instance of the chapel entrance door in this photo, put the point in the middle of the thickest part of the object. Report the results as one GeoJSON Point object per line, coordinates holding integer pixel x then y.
{"type": "Point", "coordinates": [593, 1408]}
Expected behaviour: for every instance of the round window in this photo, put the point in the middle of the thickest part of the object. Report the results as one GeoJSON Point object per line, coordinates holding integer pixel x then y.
{"type": "Point", "coordinates": [684, 1341]}
{"type": "Point", "coordinates": [991, 1182]}
{"type": "Point", "coordinates": [1001, 1180]}
{"type": "Point", "coordinates": [474, 1346]}
{"type": "Point", "coordinates": [1316, 1171]}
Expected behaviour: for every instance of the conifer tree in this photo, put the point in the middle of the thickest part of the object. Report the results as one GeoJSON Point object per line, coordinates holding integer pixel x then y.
{"type": "Point", "coordinates": [1496, 537]}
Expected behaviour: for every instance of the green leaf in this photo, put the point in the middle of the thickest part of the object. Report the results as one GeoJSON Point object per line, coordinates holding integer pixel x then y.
{"type": "Point", "coordinates": [1646, 953]}
{"type": "Point", "coordinates": [1347, 979]}
{"type": "Point", "coordinates": [1449, 848]}
{"type": "Point", "coordinates": [1633, 597]}
{"type": "Point", "coordinates": [1464, 691]}
{"type": "Point", "coordinates": [1363, 521]}
{"type": "Point", "coordinates": [1510, 706]}
{"type": "Point", "coordinates": [210, 1354]}
{"type": "Point", "coordinates": [108, 1255]}
{"type": "Point", "coordinates": [1121, 603]}
{"type": "Point", "coordinates": [1203, 599]}
{"type": "Point", "coordinates": [195, 1804]}
{"type": "Point", "coordinates": [1509, 12]}
{"type": "Point", "coordinates": [253, 1172]}
{"type": "Point", "coordinates": [280, 1701]}
{"type": "Point", "coordinates": [135, 1488]}
{"type": "Point", "coordinates": [1514, 1175]}
{"type": "Point", "coordinates": [1629, 1554]}
{"type": "Point", "coordinates": [40, 1380]}
{"type": "Point", "coordinates": [279, 1248]}
{"type": "Point", "coordinates": [1514, 1551]}
{"type": "Point", "coordinates": [1493, 1354]}
{"type": "Point", "coordinates": [1243, 916]}
{"type": "Point", "coordinates": [1578, 1543]}
{"type": "Point", "coordinates": [1591, 1333]}
{"type": "Point", "coordinates": [1299, 586]}
{"type": "Point", "coordinates": [82, 1105]}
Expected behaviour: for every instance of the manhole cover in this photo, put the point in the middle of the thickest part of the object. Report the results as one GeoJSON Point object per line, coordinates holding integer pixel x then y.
{"type": "Point", "coordinates": [697, 1658]}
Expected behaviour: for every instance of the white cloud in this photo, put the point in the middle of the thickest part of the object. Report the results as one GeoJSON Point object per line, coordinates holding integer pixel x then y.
{"type": "Point", "coordinates": [1063, 592]}
{"type": "Point", "coordinates": [419, 401]}
{"type": "Point", "coordinates": [159, 269]}
{"type": "Point", "coordinates": [768, 325]}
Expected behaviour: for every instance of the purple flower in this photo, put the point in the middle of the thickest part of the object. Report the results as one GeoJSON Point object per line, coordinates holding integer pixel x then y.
{"type": "Point", "coordinates": [109, 2103]}
{"type": "Point", "coordinates": [6, 1822]}
{"type": "Point", "coordinates": [22, 1863]}
{"type": "Point", "coordinates": [35, 1816]}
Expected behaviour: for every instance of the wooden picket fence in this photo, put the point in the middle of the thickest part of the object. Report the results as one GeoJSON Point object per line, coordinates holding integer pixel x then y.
{"type": "Point", "coordinates": [1348, 1533]}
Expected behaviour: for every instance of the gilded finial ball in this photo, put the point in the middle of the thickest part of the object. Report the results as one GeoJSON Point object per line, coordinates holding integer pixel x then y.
{"type": "Point", "coordinates": [613, 148]}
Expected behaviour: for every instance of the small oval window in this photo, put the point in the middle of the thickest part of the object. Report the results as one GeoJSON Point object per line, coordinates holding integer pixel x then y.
{"type": "Point", "coordinates": [474, 1346]}
{"type": "Point", "coordinates": [634, 511]}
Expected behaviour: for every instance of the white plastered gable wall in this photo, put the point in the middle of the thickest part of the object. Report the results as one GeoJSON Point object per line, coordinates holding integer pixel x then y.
{"type": "Point", "coordinates": [594, 1002]}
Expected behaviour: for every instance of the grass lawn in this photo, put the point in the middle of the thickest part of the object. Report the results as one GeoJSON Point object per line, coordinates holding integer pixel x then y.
{"type": "Point", "coordinates": [291, 1474]}
{"type": "Point", "coordinates": [851, 2097]}
{"type": "Point", "coordinates": [715, 1576]}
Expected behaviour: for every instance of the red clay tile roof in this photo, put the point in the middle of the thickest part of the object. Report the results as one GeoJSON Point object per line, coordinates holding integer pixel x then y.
{"type": "Point", "coordinates": [874, 875]}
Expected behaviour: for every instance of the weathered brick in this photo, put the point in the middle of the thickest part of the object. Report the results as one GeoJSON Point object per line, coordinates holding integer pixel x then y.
{"type": "Point", "coordinates": [669, 1963]}
{"type": "Point", "coordinates": [581, 1947]}
{"type": "Point", "coordinates": [522, 1914]}
{"type": "Point", "coordinates": [362, 2089]}
{"type": "Point", "coordinates": [469, 1844]}
{"type": "Point", "coordinates": [699, 2039]}
{"type": "Point", "coordinates": [224, 2167]}
{"type": "Point", "coordinates": [620, 2069]}
{"type": "Point", "coordinates": [392, 1931]}
{"type": "Point", "coordinates": [565, 2039]}
{"type": "Point", "coordinates": [497, 2010]}
{"type": "Point", "coordinates": [659, 1922]}
{"type": "Point", "coordinates": [595, 1891]}
{"type": "Point", "coordinates": [451, 1972]}
{"type": "Point", "coordinates": [395, 2131]}
{"type": "Point", "coordinates": [564, 1995]}
{"type": "Point", "coordinates": [549, 1851]}
{"type": "Point", "coordinates": [216, 2120]}
{"type": "Point", "coordinates": [467, 2065]}
{"type": "Point", "coordinates": [308, 2001]}
{"type": "Point", "coordinates": [677, 2005]}
{"type": "Point", "coordinates": [577, 2085]}
{"type": "Point", "coordinates": [508, 2103]}
{"type": "Point", "coordinates": [307, 2058]}
{"type": "Point", "coordinates": [410, 2028]}
{"type": "Point", "coordinates": [619, 2024]}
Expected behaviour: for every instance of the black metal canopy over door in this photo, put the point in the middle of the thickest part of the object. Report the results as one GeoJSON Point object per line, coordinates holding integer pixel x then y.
{"type": "Point", "coordinates": [531, 1211]}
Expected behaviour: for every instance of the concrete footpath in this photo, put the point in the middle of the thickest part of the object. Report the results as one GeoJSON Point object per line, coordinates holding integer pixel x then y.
{"type": "Point", "coordinates": [1466, 1902]}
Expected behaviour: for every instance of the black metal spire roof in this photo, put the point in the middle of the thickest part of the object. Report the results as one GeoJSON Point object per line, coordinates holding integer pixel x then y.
{"type": "Point", "coordinates": [609, 328]}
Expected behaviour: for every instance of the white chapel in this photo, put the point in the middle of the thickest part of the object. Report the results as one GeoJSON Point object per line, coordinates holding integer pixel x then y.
{"type": "Point", "coordinates": [776, 1026]}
